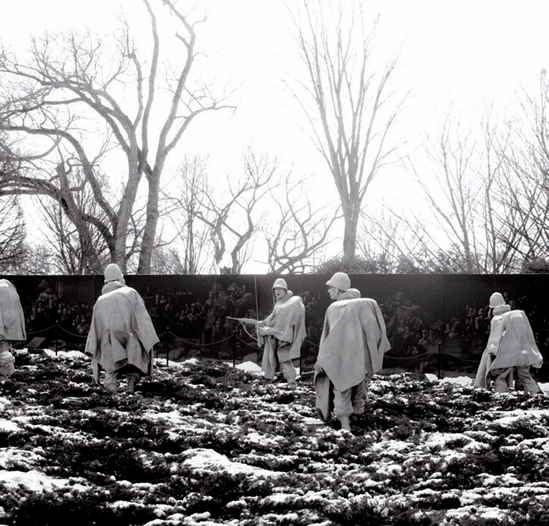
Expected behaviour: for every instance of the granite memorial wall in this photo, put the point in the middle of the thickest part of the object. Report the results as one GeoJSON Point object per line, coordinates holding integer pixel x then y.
{"type": "Point", "coordinates": [436, 323]}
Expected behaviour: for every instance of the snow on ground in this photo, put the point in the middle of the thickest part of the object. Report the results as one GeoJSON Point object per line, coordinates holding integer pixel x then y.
{"type": "Point", "coordinates": [250, 367]}
{"type": "Point", "coordinates": [208, 443]}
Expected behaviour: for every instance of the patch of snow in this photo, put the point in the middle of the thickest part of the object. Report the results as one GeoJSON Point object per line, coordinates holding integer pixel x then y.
{"type": "Point", "coordinates": [509, 417]}
{"type": "Point", "coordinates": [173, 417]}
{"type": "Point", "coordinates": [250, 367]}
{"type": "Point", "coordinates": [33, 480]}
{"type": "Point", "coordinates": [440, 439]}
{"type": "Point", "coordinates": [279, 518]}
{"type": "Point", "coordinates": [460, 380]}
{"type": "Point", "coordinates": [8, 425]}
{"type": "Point", "coordinates": [388, 469]}
{"type": "Point", "coordinates": [122, 504]}
{"type": "Point", "coordinates": [176, 517]}
{"type": "Point", "coordinates": [190, 361]}
{"type": "Point", "coordinates": [4, 402]}
{"type": "Point", "coordinates": [145, 486]}
{"type": "Point", "coordinates": [170, 363]}
{"type": "Point", "coordinates": [427, 492]}
{"type": "Point", "coordinates": [507, 479]}
{"type": "Point", "coordinates": [10, 457]}
{"type": "Point", "coordinates": [261, 440]}
{"type": "Point", "coordinates": [493, 513]}
{"type": "Point", "coordinates": [476, 447]}
{"type": "Point", "coordinates": [308, 421]}
{"type": "Point", "coordinates": [208, 460]}
{"type": "Point", "coordinates": [392, 446]}
{"type": "Point", "coordinates": [280, 497]}
{"type": "Point", "coordinates": [68, 355]}
{"type": "Point", "coordinates": [469, 497]}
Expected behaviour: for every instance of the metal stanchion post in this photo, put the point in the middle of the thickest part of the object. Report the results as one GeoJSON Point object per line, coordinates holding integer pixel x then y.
{"type": "Point", "coordinates": [56, 335]}
{"type": "Point", "coordinates": [234, 350]}
{"type": "Point", "coordinates": [167, 345]}
{"type": "Point", "coordinates": [440, 360]}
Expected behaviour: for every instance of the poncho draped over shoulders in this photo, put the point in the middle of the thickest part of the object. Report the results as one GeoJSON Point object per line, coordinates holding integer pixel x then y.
{"type": "Point", "coordinates": [12, 319]}
{"type": "Point", "coordinates": [287, 324]}
{"type": "Point", "coordinates": [121, 331]}
{"type": "Point", "coordinates": [353, 341]}
{"type": "Point", "coordinates": [511, 344]}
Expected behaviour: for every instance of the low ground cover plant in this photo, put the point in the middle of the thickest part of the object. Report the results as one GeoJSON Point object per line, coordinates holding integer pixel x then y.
{"type": "Point", "coordinates": [208, 443]}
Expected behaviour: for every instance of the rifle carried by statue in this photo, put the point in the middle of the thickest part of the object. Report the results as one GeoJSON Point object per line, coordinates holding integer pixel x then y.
{"type": "Point", "coordinates": [250, 321]}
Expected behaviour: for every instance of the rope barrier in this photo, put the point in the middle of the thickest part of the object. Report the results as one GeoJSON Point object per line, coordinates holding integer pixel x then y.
{"type": "Point", "coordinates": [43, 330]}
{"type": "Point", "coordinates": [199, 344]}
{"type": "Point", "coordinates": [459, 357]}
{"type": "Point", "coordinates": [441, 354]}
{"type": "Point", "coordinates": [246, 343]}
{"type": "Point", "coordinates": [409, 357]}
{"type": "Point", "coordinates": [71, 333]}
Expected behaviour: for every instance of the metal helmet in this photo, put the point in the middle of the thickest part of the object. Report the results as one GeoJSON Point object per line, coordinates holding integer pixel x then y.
{"type": "Point", "coordinates": [496, 300]}
{"type": "Point", "coordinates": [112, 272]}
{"type": "Point", "coordinates": [280, 283]}
{"type": "Point", "coordinates": [340, 281]}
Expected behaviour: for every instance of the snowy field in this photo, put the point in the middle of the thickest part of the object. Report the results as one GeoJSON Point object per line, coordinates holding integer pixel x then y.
{"type": "Point", "coordinates": [203, 443]}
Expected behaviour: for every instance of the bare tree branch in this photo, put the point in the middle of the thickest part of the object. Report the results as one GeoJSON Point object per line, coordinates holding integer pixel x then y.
{"type": "Point", "coordinates": [71, 83]}
{"type": "Point", "coordinates": [354, 112]}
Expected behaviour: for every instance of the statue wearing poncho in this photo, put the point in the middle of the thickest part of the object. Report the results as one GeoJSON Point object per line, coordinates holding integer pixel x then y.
{"type": "Point", "coordinates": [511, 346]}
{"type": "Point", "coordinates": [12, 325]}
{"type": "Point", "coordinates": [352, 347]}
{"type": "Point", "coordinates": [282, 333]}
{"type": "Point", "coordinates": [121, 335]}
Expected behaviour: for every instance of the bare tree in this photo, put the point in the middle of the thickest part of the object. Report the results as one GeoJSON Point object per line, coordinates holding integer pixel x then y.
{"type": "Point", "coordinates": [499, 239]}
{"type": "Point", "coordinates": [452, 194]}
{"type": "Point", "coordinates": [526, 194]}
{"type": "Point", "coordinates": [13, 248]}
{"type": "Point", "coordinates": [233, 218]}
{"type": "Point", "coordinates": [13, 234]}
{"type": "Point", "coordinates": [213, 221]}
{"type": "Point", "coordinates": [383, 244]}
{"type": "Point", "coordinates": [167, 260]}
{"type": "Point", "coordinates": [183, 208]}
{"type": "Point", "coordinates": [37, 261]}
{"type": "Point", "coordinates": [354, 109]}
{"type": "Point", "coordinates": [70, 82]}
{"type": "Point", "coordinates": [298, 232]}
{"type": "Point", "coordinates": [76, 246]}
{"type": "Point", "coordinates": [400, 244]}
{"type": "Point", "coordinates": [62, 243]}
{"type": "Point", "coordinates": [527, 202]}
{"type": "Point", "coordinates": [463, 225]}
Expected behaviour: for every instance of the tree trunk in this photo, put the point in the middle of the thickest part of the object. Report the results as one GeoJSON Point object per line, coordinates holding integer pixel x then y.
{"type": "Point", "coordinates": [349, 237]}
{"type": "Point", "coordinates": [126, 208]}
{"type": "Point", "coordinates": [149, 233]}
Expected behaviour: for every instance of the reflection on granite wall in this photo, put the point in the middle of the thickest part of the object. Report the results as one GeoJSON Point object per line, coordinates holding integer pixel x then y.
{"type": "Point", "coordinates": [436, 324]}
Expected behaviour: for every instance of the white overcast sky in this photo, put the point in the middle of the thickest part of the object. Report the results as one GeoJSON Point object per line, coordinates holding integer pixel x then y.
{"type": "Point", "coordinates": [468, 51]}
